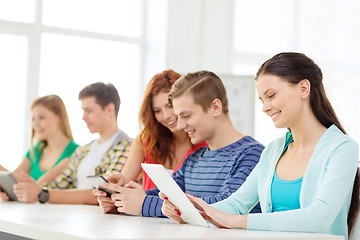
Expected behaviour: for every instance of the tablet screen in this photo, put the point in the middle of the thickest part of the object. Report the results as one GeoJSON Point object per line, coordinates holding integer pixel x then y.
{"type": "Point", "coordinates": [6, 184]}
{"type": "Point", "coordinates": [169, 187]}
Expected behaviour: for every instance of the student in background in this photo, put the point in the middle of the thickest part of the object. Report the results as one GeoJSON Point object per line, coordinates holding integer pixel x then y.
{"type": "Point", "coordinates": [100, 103]}
{"type": "Point", "coordinates": [159, 141]}
{"type": "Point", "coordinates": [212, 172]}
{"type": "Point", "coordinates": [51, 142]}
{"type": "Point", "coordinates": [304, 180]}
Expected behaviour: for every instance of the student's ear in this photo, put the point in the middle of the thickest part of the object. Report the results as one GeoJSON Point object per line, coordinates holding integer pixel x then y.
{"type": "Point", "coordinates": [305, 86]}
{"type": "Point", "coordinates": [110, 109]}
{"type": "Point", "coordinates": [216, 107]}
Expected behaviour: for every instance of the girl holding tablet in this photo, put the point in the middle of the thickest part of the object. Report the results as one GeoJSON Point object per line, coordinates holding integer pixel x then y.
{"type": "Point", "coordinates": [51, 141]}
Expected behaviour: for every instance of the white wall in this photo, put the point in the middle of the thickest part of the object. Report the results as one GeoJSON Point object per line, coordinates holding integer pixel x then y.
{"type": "Point", "coordinates": [200, 35]}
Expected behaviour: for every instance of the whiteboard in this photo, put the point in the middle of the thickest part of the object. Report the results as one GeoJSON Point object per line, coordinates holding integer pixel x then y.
{"type": "Point", "coordinates": [241, 94]}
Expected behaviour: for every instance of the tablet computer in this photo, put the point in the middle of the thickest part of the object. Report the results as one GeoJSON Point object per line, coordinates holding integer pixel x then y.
{"type": "Point", "coordinates": [169, 187]}
{"type": "Point", "coordinates": [7, 182]}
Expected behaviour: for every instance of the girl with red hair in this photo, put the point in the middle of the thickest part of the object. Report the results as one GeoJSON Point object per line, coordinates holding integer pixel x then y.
{"type": "Point", "coordinates": [159, 140]}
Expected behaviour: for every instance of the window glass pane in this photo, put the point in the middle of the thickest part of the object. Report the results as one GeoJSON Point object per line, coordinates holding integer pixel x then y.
{"type": "Point", "coordinates": [70, 63]}
{"type": "Point", "coordinates": [12, 98]}
{"type": "Point", "coordinates": [17, 10]}
{"type": "Point", "coordinates": [120, 17]}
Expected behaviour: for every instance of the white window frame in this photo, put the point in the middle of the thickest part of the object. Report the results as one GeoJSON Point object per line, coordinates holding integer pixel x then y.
{"type": "Point", "coordinates": [33, 32]}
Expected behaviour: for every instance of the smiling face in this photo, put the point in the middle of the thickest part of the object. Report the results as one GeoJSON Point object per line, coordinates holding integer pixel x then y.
{"type": "Point", "coordinates": [193, 120]}
{"type": "Point", "coordinates": [45, 123]}
{"type": "Point", "coordinates": [164, 112]}
{"type": "Point", "coordinates": [281, 100]}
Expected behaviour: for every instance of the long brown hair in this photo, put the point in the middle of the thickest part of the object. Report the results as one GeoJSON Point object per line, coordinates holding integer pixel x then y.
{"type": "Point", "coordinates": [54, 104]}
{"type": "Point", "coordinates": [294, 67]}
{"type": "Point", "coordinates": [157, 138]}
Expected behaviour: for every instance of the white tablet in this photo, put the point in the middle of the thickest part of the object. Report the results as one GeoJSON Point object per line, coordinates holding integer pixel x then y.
{"type": "Point", "coordinates": [7, 182]}
{"type": "Point", "coordinates": [169, 187]}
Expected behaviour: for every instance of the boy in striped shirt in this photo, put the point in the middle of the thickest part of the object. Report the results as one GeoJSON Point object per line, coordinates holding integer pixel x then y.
{"type": "Point", "coordinates": [213, 172]}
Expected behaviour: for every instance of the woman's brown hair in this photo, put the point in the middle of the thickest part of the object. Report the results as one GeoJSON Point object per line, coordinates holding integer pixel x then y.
{"type": "Point", "coordinates": [294, 67]}
{"type": "Point", "coordinates": [157, 138]}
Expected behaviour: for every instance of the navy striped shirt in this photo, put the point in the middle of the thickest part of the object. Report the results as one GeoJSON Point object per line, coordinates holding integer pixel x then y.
{"type": "Point", "coordinates": [211, 175]}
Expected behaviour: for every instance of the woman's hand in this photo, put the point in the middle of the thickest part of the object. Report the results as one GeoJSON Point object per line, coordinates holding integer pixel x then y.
{"type": "Point", "coordinates": [27, 190]}
{"type": "Point", "coordinates": [217, 217]}
{"type": "Point", "coordinates": [170, 210]}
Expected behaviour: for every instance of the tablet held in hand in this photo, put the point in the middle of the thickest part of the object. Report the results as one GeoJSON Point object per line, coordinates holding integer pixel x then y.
{"type": "Point", "coordinates": [169, 187]}
{"type": "Point", "coordinates": [7, 182]}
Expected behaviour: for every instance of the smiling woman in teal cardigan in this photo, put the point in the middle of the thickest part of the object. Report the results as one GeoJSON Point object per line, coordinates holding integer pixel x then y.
{"type": "Point", "coordinates": [325, 192]}
{"type": "Point", "coordinates": [304, 180]}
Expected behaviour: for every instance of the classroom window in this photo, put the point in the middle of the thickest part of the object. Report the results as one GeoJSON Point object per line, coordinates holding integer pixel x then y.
{"type": "Point", "coordinates": [70, 63]}
{"type": "Point", "coordinates": [13, 59]}
{"type": "Point", "coordinates": [118, 17]}
{"type": "Point", "coordinates": [59, 47]}
{"type": "Point", "coordinates": [17, 10]}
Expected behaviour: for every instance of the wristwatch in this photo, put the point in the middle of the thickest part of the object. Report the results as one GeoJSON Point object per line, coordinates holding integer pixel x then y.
{"type": "Point", "coordinates": [43, 195]}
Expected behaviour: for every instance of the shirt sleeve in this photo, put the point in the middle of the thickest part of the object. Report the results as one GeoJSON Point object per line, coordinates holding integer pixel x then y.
{"type": "Point", "coordinates": [152, 203]}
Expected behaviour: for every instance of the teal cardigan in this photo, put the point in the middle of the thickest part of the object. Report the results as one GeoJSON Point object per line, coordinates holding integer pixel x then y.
{"type": "Point", "coordinates": [325, 193]}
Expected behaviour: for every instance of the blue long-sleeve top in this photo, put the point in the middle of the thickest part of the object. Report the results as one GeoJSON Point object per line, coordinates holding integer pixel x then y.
{"type": "Point", "coordinates": [325, 193]}
{"type": "Point", "coordinates": [211, 175]}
